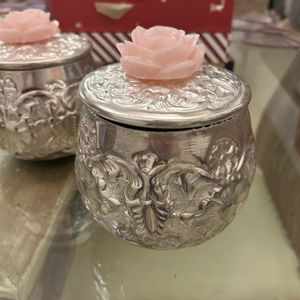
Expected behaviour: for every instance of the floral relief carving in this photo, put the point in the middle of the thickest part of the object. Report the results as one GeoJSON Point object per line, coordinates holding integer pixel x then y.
{"type": "Point", "coordinates": [38, 123]}
{"type": "Point", "coordinates": [212, 90]}
{"type": "Point", "coordinates": [155, 192]}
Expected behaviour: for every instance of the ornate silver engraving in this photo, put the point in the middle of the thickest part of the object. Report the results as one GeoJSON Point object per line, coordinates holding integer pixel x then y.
{"type": "Point", "coordinates": [162, 203]}
{"type": "Point", "coordinates": [210, 90]}
{"type": "Point", "coordinates": [63, 46]}
{"type": "Point", "coordinates": [212, 94]}
{"type": "Point", "coordinates": [40, 123]}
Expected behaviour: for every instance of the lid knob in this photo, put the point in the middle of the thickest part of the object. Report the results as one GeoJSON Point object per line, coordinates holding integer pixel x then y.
{"type": "Point", "coordinates": [27, 26]}
{"type": "Point", "coordinates": [161, 53]}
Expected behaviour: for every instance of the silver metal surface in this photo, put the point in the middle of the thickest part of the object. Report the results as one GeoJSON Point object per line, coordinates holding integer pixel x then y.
{"type": "Point", "coordinates": [212, 95]}
{"type": "Point", "coordinates": [165, 189]}
{"type": "Point", "coordinates": [63, 48]}
{"type": "Point", "coordinates": [39, 109]}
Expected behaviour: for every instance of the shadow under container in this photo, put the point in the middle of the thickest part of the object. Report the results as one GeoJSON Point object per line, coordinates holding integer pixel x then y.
{"type": "Point", "coordinates": [39, 99]}
{"type": "Point", "coordinates": [166, 164]}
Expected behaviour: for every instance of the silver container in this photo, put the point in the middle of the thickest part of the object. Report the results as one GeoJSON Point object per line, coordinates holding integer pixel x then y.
{"type": "Point", "coordinates": [165, 165]}
{"type": "Point", "coordinates": [39, 103]}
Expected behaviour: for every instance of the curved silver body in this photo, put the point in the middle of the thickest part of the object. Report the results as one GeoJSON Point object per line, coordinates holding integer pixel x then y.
{"type": "Point", "coordinates": [164, 189]}
{"type": "Point", "coordinates": [39, 109]}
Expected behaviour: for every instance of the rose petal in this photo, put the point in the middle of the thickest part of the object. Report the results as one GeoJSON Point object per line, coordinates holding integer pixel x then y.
{"type": "Point", "coordinates": [139, 37]}
{"type": "Point", "coordinates": [164, 31]}
{"type": "Point", "coordinates": [178, 71]}
{"type": "Point", "coordinates": [122, 48]}
{"type": "Point", "coordinates": [139, 68]}
{"type": "Point", "coordinates": [22, 20]}
{"type": "Point", "coordinates": [137, 34]}
{"type": "Point", "coordinates": [131, 49]}
{"type": "Point", "coordinates": [190, 40]}
{"type": "Point", "coordinates": [11, 36]}
{"type": "Point", "coordinates": [5, 24]}
{"type": "Point", "coordinates": [174, 54]}
{"type": "Point", "coordinates": [55, 27]}
{"type": "Point", "coordinates": [39, 17]}
{"type": "Point", "coordinates": [198, 55]}
{"type": "Point", "coordinates": [17, 20]}
{"type": "Point", "coordinates": [36, 21]}
{"type": "Point", "coordinates": [37, 34]}
{"type": "Point", "coordinates": [12, 16]}
{"type": "Point", "coordinates": [155, 43]}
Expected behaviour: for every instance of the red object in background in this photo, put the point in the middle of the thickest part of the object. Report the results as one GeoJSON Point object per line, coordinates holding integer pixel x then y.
{"type": "Point", "coordinates": [210, 18]}
{"type": "Point", "coordinates": [190, 15]}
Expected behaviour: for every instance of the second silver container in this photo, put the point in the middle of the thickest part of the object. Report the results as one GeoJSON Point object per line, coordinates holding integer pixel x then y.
{"type": "Point", "coordinates": [39, 104]}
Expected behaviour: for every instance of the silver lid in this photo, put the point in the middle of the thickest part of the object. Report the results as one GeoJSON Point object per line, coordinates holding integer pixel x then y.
{"type": "Point", "coordinates": [212, 95]}
{"type": "Point", "coordinates": [61, 49]}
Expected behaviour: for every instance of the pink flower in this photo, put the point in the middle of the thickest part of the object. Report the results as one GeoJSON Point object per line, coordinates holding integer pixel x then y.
{"type": "Point", "coordinates": [28, 26]}
{"type": "Point", "coordinates": [161, 53]}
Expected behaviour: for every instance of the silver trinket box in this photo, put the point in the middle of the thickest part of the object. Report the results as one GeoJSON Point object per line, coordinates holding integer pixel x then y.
{"type": "Point", "coordinates": [165, 164]}
{"type": "Point", "coordinates": [39, 103]}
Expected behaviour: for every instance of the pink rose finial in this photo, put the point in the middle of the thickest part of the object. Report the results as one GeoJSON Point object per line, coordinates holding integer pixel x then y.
{"type": "Point", "coordinates": [28, 26]}
{"type": "Point", "coordinates": [161, 53]}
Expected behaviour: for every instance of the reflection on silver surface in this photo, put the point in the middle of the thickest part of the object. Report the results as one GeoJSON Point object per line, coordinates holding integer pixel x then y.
{"type": "Point", "coordinates": [161, 188]}
{"type": "Point", "coordinates": [101, 287]}
{"type": "Point", "coordinates": [75, 229]}
{"type": "Point", "coordinates": [164, 189]}
{"type": "Point", "coordinates": [76, 224]}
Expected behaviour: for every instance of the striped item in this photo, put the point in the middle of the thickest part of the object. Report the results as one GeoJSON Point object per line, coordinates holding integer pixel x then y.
{"type": "Point", "coordinates": [104, 46]}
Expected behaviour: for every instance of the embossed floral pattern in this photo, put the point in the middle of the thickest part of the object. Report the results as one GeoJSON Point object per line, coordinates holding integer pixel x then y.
{"type": "Point", "coordinates": [40, 123]}
{"type": "Point", "coordinates": [212, 90]}
{"type": "Point", "coordinates": [146, 199]}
